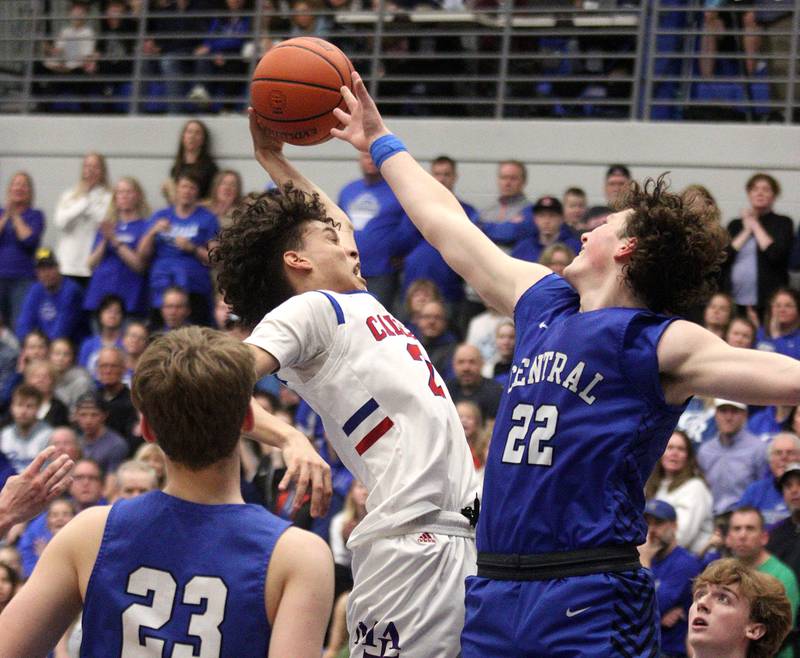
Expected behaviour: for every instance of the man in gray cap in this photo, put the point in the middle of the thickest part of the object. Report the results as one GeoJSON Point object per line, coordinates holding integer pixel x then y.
{"type": "Point", "coordinates": [98, 442]}
{"type": "Point", "coordinates": [733, 459]}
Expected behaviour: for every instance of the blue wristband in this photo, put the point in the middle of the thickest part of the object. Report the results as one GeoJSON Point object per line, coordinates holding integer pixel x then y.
{"type": "Point", "coordinates": [384, 148]}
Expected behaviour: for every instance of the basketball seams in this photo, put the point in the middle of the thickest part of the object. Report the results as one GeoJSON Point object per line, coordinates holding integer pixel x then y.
{"type": "Point", "coordinates": [320, 55]}
{"type": "Point", "coordinates": [300, 120]}
{"type": "Point", "coordinates": [297, 82]}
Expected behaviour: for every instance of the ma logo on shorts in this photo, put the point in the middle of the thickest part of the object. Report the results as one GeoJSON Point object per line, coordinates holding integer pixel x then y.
{"type": "Point", "coordinates": [388, 643]}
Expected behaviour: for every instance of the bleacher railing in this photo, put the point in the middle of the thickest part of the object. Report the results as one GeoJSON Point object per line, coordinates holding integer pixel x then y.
{"type": "Point", "coordinates": [658, 60]}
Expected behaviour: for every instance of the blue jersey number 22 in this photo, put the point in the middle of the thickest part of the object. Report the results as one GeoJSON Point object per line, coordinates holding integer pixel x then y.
{"type": "Point", "coordinates": [538, 454]}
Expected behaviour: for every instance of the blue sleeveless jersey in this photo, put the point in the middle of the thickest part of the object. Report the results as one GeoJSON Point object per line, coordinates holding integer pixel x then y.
{"type": "Point", "coordinates": [175, 578]}
{"type": "Point", "coordinates": [579, 430]}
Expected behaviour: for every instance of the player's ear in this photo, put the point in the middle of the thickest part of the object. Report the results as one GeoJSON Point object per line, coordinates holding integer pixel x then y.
{"type": "Point", "coordinates": [754, 631]}
{"type": "Point", "coordinates": [249, 422]}
{"type": "Point", "coordinates": [147, 431]}
{"type": "Point", "coordinates": [625, 250]}
{"type": "Point", "coordinates": [296, 262]}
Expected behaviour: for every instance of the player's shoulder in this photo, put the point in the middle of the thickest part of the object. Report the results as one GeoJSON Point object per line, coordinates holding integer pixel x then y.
{"type": "Point", "coordinates": [83, 535]}
{"type": "Point", "coordinates": [299, 551]}
{"type": "Point", "coordinates": [551, 294]}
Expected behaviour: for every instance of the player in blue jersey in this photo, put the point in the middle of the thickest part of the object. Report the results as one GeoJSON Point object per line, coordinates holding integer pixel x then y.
{"type": "Point", "coordinates": [602, 370]}
{"type": "Point", "coordinates": [191, 570]}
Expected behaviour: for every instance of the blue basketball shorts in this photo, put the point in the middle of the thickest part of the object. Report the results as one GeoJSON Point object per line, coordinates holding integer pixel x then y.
{"type": "Point", "coordinates": [597, 615]}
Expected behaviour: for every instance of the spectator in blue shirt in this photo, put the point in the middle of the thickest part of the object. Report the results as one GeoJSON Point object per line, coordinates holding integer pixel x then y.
{"type": "Point", "coordinates": [383, 232]}
{"type": "Point", "coordinates": [781, 330]}
{"type": "Point", "coordinates": [765, 494]}
{"type": "Point", "coordinates": [424, 262]}
{"type": "Point", "coordinates": [54, 304]}
{"type": "Point", "coordinates": [178, 241]}
{"type": "Point", "coordinates": [21, 228]}
{"type": "Point", "coordinates": [548, 218]}
{"type": "Point", "coordinates": [110, 319]}
{"type": "Point", "coordinates": [116, 265]}
{"type": "Point", "coordinates": [219, 56]}
{"type": "Point", "coordinates": [59, 512]}
{"type": "Point", "coordinates": [673, 569]}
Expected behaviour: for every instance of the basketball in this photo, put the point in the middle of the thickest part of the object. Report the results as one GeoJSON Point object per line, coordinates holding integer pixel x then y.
{"type": "Point", "coordinates": [295, 88]}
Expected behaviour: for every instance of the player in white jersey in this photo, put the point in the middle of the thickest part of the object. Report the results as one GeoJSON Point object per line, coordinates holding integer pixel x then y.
{"type": "Point", "coordinates": [285, 268]}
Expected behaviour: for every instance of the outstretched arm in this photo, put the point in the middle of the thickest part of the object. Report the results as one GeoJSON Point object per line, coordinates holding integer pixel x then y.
{"type": "Point", "coordinates": [269, 154]}
{"type": "Point", "coordinates": [694, 361]}
{"type": "Point", "coordinates": [499, 279]}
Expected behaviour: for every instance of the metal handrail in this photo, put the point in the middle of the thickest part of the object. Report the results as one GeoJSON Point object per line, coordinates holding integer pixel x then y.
{"type": "Point", "coordinates": [507, 59]}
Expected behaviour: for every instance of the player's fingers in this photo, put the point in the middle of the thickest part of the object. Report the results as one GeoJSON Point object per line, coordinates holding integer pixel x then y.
{"type": "Point", "coordinates": [59, 489]}
{"type": "Point", "coordinates": [301, 486]}
{"type": "Point", "coordinates": [36, 465]}
{"type": "Point", "coordinates": [251, 116]}
{"type": "Point", "coordinates": [350, 100]}
{"type": "Point", "coordinates": [327, 491]}
{"type": "Point", "coordinates": [57, 471]}
{"type": "Point", "coordinates": [291, 469]}
{"type": "Point", "coordinates": [361, 92]}
{"type": "Point", "coordinates": [344, 118]}
{"type": "Point", "coordinates": [318, 493]}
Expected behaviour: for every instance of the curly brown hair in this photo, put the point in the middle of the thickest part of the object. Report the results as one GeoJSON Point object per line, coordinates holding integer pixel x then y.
{"type": "Point", "coordinates": [679, 248]}
{"type": "Point", "coordinates": [249, 256]}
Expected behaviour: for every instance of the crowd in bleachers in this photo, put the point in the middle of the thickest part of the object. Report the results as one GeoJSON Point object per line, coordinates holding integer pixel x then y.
{"type": "Point", "coordinates": [77, 317]}
{"type": "Point", "coordinates": [725, 60]}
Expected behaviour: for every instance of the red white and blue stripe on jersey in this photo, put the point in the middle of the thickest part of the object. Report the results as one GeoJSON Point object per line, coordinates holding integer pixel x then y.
{"type": "Point", "coordinates": [369, 432]}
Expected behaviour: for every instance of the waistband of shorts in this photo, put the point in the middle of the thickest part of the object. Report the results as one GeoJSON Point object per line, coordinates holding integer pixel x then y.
{"type": "Point", "coordinates": [453, 524]}
{"type": "Point", "coordinates": [547, 566]}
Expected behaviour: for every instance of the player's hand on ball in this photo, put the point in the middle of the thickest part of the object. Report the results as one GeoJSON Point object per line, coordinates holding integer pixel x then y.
{"type": "Point", "coordinates": [264, 144]}
{"type": "Point", "coordinates": [307, 469]}
{"type": "Point", "coordinates": [362, 122]}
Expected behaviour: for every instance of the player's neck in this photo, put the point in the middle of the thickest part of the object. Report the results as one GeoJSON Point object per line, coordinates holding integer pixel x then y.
{"type": "Point", "coordinates": [218, 484]}
{"type": "Point", "coordinates": [607, 292]}
{"type": "Point", "coordinates": [716, 652]}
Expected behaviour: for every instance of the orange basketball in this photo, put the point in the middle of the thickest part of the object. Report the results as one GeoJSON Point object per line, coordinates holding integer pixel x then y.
{"type": "Point", "coordinates": [295, 88]}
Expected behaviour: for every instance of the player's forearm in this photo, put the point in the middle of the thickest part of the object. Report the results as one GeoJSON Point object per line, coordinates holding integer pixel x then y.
{"type": "Point", "coordinates": [282, 171]}
{"type": "Point", "coordinates": [433, 208]}
{"type": "Point", "coordinates": [442, 221]}
{"type": "Point", "coordinates": [268, 428]}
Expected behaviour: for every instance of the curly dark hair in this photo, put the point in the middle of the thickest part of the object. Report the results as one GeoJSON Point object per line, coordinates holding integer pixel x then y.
{"type": "Point", "coordinates": [249, 256]}
{"type": "Point", "coordinates": [679, 248]}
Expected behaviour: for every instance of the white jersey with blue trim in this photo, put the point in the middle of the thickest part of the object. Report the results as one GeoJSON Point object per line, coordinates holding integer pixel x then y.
{"type": "Point", "coordinates": [384, 407]}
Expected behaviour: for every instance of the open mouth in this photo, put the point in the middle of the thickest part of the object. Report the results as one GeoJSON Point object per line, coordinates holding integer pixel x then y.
{"type": "Point", "coordinates": [699, 622]}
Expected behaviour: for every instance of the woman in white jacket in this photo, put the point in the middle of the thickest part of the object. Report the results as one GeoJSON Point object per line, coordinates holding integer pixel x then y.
{"type": "Point", "coordinates": [78, 215]}
{"type": "Point", "coordinates": [677, 479]}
